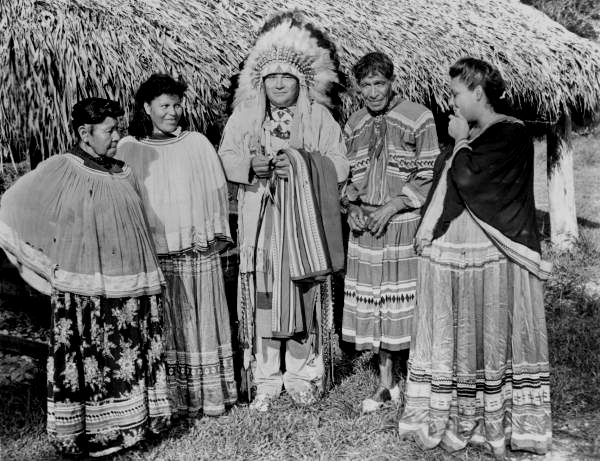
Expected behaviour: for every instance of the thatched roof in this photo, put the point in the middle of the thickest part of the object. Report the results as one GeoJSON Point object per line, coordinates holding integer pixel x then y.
{"type": "Point", "coordinates": [53, 52]}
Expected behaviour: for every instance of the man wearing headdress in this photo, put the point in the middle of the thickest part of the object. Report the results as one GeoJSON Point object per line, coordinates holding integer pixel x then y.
{"type": "Point", "coordinates": [283, 148]}
{"type": "Point", "coordinates": [392, 146]}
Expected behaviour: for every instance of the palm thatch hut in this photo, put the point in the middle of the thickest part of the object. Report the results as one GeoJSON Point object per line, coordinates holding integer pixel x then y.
{"type": "Point", "coordinates": [54, 52]}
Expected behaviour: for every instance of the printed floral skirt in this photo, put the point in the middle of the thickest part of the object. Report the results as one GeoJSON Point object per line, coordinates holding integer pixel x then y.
{"type": "Point", "coordinates": [106, 375]}
{"type": "Point", "coordinates": [197, 335]}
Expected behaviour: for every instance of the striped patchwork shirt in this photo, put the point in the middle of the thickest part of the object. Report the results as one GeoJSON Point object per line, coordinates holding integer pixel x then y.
{"type": "Point", "coordinates": [411, 145]}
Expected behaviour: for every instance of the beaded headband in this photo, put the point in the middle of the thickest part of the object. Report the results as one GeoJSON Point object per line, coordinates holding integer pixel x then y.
{"type": "Point", "coordinates": [285, 55]}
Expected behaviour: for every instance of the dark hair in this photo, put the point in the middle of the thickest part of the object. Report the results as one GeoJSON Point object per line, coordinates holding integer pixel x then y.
{"type": "Point", "coordinates": [140, 125]}
{"type": "Point", "coordinates": [473, 72]}
{"type": "Point", "coordinates": [92, 111]}
{"type": "Point", "coordinates": [373, 63]}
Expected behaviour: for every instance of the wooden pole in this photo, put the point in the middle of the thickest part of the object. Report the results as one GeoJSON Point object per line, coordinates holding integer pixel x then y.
{"type": "Point", "coordinates": [561, 185]}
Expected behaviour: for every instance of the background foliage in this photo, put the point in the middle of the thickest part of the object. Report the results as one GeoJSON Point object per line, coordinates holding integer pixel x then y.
{"type": "Point", "coordinates": [578, 16]}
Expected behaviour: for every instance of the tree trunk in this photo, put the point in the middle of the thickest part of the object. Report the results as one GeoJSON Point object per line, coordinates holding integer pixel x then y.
{"type": "Point", "coordinates": [561, 185]}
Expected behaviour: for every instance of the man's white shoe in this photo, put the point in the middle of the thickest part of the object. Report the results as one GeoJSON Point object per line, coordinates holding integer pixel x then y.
{"type": "Point", "coordinates": [369, 405]}
{"type": "Point", "coordinates": [376, 401]}
{"type": "Point", "coordinates": [304, 398]}
{"type": "Point", "coordinates": [261, 403]}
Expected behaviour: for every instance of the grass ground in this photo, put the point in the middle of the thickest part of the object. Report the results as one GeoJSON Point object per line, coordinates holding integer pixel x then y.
{"type": "Point", "coordinates": [573, 313]}
{"type": "Point", "coordinates": [335, 429]}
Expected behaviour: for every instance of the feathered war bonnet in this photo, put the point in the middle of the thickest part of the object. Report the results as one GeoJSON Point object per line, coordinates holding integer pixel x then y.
{"type": "Point", "coordinates": [289, 44]}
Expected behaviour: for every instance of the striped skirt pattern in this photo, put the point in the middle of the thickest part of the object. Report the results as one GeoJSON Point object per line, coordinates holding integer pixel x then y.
{"type": "Point", "coordinates": [197, 335]}
{"type": "Point", "coordinates": [106, 377]}
{"type": "Point", "coordinates": [379, 289]}
{"type": "Point", "coordinates": [478, 368]}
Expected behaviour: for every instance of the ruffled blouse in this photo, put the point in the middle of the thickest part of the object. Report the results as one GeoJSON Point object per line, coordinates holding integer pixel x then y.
{"type": "Point", "coordinates": [184, 191]}
{"type": "Point", "coordinates": [72, 227]}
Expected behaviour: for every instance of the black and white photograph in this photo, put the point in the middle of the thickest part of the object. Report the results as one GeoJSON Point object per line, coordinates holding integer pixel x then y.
{"type": "Point", "coordinates": [300, 230]}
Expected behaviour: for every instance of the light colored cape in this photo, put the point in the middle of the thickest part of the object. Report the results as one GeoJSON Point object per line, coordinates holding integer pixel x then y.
{"type": "Point", "coordinates": [184, 191]}
{"type": "Point", "coordinates": [72, 228]}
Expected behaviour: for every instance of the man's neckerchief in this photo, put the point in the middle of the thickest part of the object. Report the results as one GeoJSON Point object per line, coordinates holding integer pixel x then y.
{"type": "Point", "coordinates": [377, 192]}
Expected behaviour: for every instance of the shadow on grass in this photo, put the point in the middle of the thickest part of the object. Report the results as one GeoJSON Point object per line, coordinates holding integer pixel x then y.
{"type": "Point", "coordinates": [23, 426]}
{"type": "Point", "coordinates": [23, 417]}
{"type": "Point", "coordinates": [573, 320]}
{"type": "Point", "coordinates": [543, 221]}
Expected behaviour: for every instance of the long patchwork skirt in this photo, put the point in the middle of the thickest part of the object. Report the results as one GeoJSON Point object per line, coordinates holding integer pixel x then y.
{"type": "Point", "coordinates": [379, 290]}
{"type": "Point", "coordinates": [106, 376]}
{"type": "Point", "coordinates": [199, 355]}
{"type": "Point", "coordinates": [478, 368]}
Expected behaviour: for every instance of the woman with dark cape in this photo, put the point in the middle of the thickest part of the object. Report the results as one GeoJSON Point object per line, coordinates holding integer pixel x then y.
{"type": "Point", "coordinates": [478, 367]}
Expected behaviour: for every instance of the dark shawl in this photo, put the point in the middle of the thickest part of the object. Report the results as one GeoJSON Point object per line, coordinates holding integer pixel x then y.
{"type": "Point", "coordinates": [494, 178]}
{"type": "Point", "coordinates": [325, 187]}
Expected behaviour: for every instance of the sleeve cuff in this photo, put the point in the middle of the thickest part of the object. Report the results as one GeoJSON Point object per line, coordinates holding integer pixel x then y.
{"type": "Point", "coordinates": [462, 144]}
{"type": "Point", "coordinates": [241, 172]}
